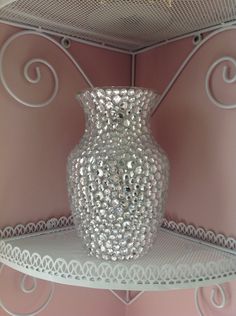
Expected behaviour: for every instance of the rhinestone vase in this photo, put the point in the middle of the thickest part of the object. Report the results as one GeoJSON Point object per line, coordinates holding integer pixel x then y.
{"type": "Point", "coordinates": [118, 174]}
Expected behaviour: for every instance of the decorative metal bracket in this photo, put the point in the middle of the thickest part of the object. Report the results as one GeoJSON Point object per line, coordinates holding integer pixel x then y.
{"type": "Point", "coordinates": [226, 78]}
{"type": "Point", "coordinates": [126, 297]}
{"type": "Point", "coordinates": [209, 72]}
{"type": "Point", "coordinates": [29, 290]}
{"type": "Point", "coordinates": [37, 61]}
{"type": "Point", "coordinates": [214, 303]}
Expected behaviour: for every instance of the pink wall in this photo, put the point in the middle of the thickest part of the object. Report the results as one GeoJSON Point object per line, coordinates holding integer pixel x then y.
{"type": "Point", "coordinates": [197, 135]}
{"type": "Point", "coordinates": [181, 303]}
{"type": "Point", "coordinates": [35, 143]}
{"type": "Point", "coordinates": [199, 139]}
{"type": "Point", "coordinates": [67, 300]}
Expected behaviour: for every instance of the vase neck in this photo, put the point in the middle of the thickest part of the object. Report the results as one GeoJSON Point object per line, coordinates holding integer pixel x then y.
{"type": "Point", "coordinates": [110, 109]}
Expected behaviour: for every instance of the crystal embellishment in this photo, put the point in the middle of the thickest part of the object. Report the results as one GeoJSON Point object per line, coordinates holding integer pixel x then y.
{"type": "Point", "coordinates": [118, 174]}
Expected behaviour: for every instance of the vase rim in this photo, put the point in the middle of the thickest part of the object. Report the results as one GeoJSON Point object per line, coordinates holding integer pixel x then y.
{"type": "Point", "coordinates": [116, 87]}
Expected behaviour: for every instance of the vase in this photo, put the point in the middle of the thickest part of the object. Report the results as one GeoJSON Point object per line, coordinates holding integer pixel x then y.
{"type": "Point", "coordinates": [118, 174]}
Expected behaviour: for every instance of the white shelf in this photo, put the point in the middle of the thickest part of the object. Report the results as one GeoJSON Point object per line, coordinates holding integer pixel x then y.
{"type": "Point", "coordinates": [126, 24]}
{"type": "Point", "coordinates": [174, 262]}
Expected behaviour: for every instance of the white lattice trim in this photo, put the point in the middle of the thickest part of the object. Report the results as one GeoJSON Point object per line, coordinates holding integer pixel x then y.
{"type": "Point", "coordinates": [181, 228]}
{"type": "Point", "coordinates": [200, 234]}
{"type": "Point", "coordinates": [41, 226]}
{"type": "Point", "coordinates": [208, 267]}
{"type": "Point", "coordinates": [105, 275]}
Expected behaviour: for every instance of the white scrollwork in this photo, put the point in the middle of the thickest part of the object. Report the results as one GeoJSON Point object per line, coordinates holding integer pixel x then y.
{"type": "Point", "coordinates": [127, 299]}
{"type": "Point", "coordinates": [41, 226]}
{"type": "Point", "coordinates": [23, 286]}
{"type": "Point", "coordinates": [187, 61]}
{"type": "Point", "coordinates": [216, 289]}
{"type": "Point", "coordinates": [226, 78]}
{"type": "Point", "coordinates": [140, 276]}
{"type": "Point", "coordinates": [67, 223]}
{"type": "Point", "coordinates": [36, 62]}
{"type": "Point", "coordinates": [29, 290]}
{"type": "Point", "coordinates": [200, 234]}
{"type": "Point", "coordinates": [134, 277]}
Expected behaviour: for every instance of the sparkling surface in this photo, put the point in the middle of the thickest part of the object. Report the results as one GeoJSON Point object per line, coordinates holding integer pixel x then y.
{"type": "Point", "coordinates": [118, 174]}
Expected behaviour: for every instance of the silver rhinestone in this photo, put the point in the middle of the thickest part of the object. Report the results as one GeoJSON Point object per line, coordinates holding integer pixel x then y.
{"type": "Point", "coordinates": [118, 210]}
{"type": "Point", "coordinates": [126, 123]}
{"type": "Point", "coordinates": [102, 212]}
{"type": "Point", "coordinates": [138, 170]}
{"type": "Point", "coordinates": [100, 172]}
{"type": "Point", "coordinates": [115, 202]}
{"type": "Point", "coordinates": [103, 237]}
{"type": "Point", "coordinates": [108, 244]}
{"type": "Point", "coordinates": [117, 99]}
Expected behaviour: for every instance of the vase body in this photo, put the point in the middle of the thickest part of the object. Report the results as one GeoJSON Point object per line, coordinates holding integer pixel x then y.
{"type": "Point", "coordinates": [118, 174]}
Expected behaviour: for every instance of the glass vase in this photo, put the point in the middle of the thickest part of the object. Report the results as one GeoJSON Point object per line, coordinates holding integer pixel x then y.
{"type": "Point", "coordinates": [118, 174]}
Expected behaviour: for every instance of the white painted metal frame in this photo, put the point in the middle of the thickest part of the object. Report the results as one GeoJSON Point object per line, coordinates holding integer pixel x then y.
{"type": "Point", "coordinates": [66, 223]}
{"type": "Point", "coordinates": [78, 40]}
{"type": "Point", "coordinates": [230, 243]}
{"type": "Point", "coordinates": [30, 290]}
{"type": "Point", "coordinates": [183, 263]}
{"type": "Point", "coordinates": [141, 23]}
{"type": "Point", "coordinates": [215, 290]}
{"type": "Point", "coordinates": [61, 45]}
{"type": "Point", "coordinates": [210, 71]}
{"type": "Point", "coordinates": [128, 299]}
{"type": "Point", "coordinates": [3, 3]}
{"type": "Point", "coordinates": [37, 61]}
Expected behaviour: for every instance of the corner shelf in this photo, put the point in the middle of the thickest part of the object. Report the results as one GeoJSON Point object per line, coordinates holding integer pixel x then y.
{"type": "Point", "coordinates": [56, 254]}
{"type": "Point", "coordinates": [124, 24]}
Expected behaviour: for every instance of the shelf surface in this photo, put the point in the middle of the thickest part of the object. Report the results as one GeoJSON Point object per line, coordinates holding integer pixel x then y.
{"type": "Point", "coordinates": [126, 24]}
{"type": "Point", "coordinates": [174, 262]}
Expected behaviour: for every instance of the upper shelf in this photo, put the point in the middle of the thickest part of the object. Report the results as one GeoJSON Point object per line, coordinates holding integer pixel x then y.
{"type": "Point", "coordinates": [126, 24]}
{"type": "Point", "coordinates": [57, 255]}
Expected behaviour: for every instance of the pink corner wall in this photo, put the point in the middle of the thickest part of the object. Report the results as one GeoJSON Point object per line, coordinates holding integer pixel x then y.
{"type": "Point", "coordinates": [34, 145]}
{"type": "Point", "coordinates": [197, 136]}
{"type": "Point", "coordinates": [35, 142]}
{"type": "Point", "coordinates": [199, 139]}
{"type": "Point", "coordinates": [181, 303]}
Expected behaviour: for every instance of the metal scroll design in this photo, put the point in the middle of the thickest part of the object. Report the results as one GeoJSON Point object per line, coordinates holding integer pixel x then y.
{"type": "Point", "coordinates": [218, 305]}
{"type": "Point", "coordinates": [29, 290]}
{"type": "Point", "coordinates": [35, 62]}
{"type": "Point", "coordinates": [209, 73]}
{"type": "Point", "coordinates": [226, 78]}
